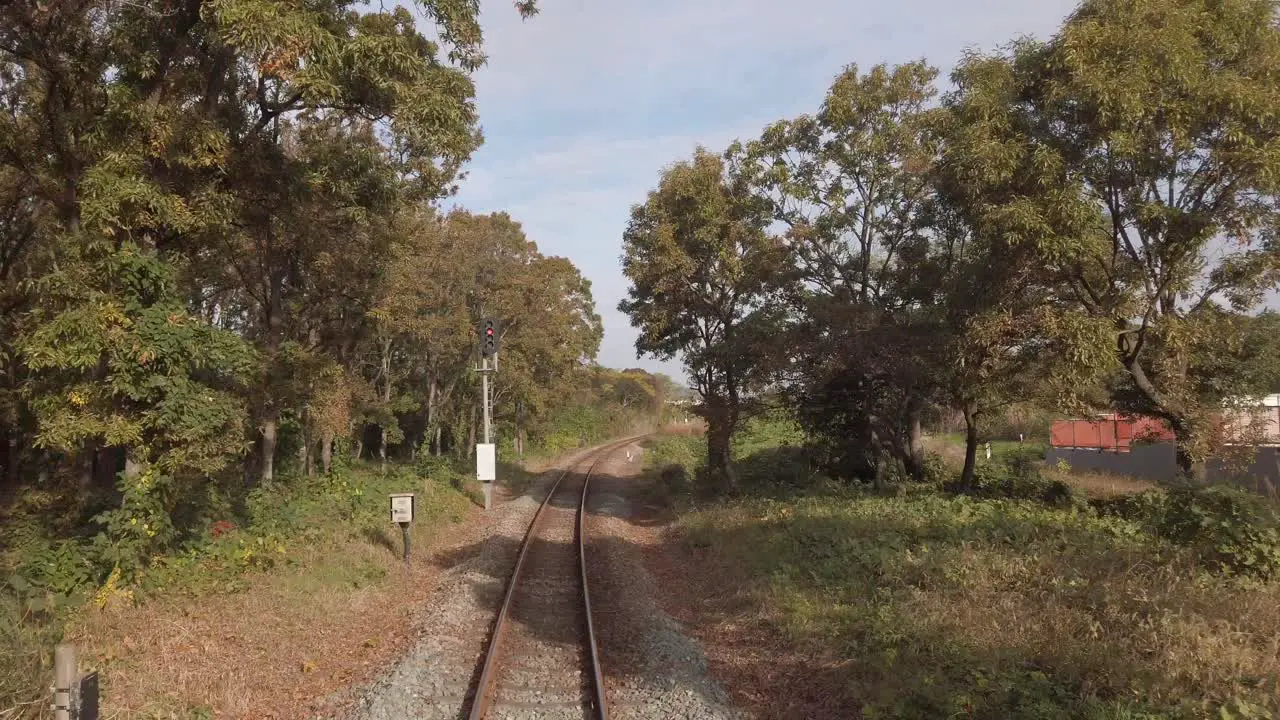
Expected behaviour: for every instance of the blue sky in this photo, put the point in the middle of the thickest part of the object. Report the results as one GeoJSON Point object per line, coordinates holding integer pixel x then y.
{"type": "Point", "coordinates": [583, 105]}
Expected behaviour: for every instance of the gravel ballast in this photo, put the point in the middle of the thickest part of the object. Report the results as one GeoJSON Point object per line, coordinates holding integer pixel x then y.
{"type": "Point", "coordinates": [433, 679]}
{"type": "Point", "coordinates": [652, 670]}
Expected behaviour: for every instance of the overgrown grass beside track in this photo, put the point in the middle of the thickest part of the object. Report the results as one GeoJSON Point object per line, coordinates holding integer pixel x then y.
{"type": "Point", "coordinates": [936, 605]}
{"type": "Point", "coordinates": [290, 538]}
{"type": "Point", "coordinates": [306, 535]}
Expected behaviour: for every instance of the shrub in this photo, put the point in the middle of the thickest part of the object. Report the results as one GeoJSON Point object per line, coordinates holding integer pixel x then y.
{"type": "Point", "coordinates": [674, 478]}
{"type": "Point", "coordinates": [1235, 531]}
{"type": "Point", "coordinates": [1017, 477]}
{"type": "Point", "coordinates": [785, 466]}
{"type": "Point", "coordinates": [935, 472]}
{"type": "Point", "coordinates": [439, 469]}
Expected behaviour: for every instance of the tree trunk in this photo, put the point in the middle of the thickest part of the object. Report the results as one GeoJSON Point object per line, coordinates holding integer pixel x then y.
{"type": "Point", "coordinates": [132, 466]}
{"type": "Point", "coordinates": [386, 400]}
{"type": "Point", "coordinates": [520, 429]}
{"type": "Point", "coordinates": [439, 444]}
{"type": "Point", "coordinates": [359, 449]}
{"type": "Point", "coordinates": [326, 451]}
{"type": "Point", "coordinates": [719, 457]}
{"type": "Point", "coordinates": [304, 450]}
{"type": "Point", "coordinates": [274, 321]}
{"type": "Point", "coordinates": [719, 445]}
{"type": "Point", "coordinates": [269, 447]}
{"type": "Point", "coordinates": [913, 456]}
{"type": "Point", "coordinates": [13, 454]}
{"type": "Point", "coordinates": [249, 468]}
{"type": "Point", "coordinates": [970, 447]}
{"type": "Point", "coordinates": [1188, 468]}
{"type": "Point", "coordinates": [430, 428]}
{"type": "Point", "coordinates": [88, 455]}
{"type": "Point", "coordinates": [1182, 432]}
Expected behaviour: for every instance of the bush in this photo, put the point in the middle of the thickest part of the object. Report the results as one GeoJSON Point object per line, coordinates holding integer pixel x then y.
{"type": "Point", "coordinates": [674, 478]}
{"type": "Point", "coordinates": [1235, 531]}
{"type": "Point", "coordinates": [1017, 477]}
{"type": "Point", "coordinates": [785, 466]}
{"type": "Point", "coordinates": [439, 469]}
{"type": "Point", "coordinates": [936, 472]}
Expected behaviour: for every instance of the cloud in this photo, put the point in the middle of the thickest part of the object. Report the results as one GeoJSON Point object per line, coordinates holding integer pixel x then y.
{"type": "Point", "coordinates": [583, 105]}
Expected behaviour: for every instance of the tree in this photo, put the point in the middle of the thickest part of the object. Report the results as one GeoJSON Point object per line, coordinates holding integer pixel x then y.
{"type": "Point", "coordinates": [1137, 152]}
{"type": "Point", "coordinates": [179, 182]}
{"type": "Point", "coordinates": [701, 267]}
{"type": "Point", "coordinates": [849, 183]}
{"type": "Point", "coordinates": [184, 128]}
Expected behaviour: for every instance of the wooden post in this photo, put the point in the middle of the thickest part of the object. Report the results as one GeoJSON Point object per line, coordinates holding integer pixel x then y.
{"type": "Point", "coordinates": [64, 680]}
{"type": "Point", "coordinates": [404, 533]}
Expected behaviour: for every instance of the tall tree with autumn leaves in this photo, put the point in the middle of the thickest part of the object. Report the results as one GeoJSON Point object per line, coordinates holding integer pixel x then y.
{"type": "Point", "coordinates": [221, 253]}
{"type": "Point", "coordinates": [702, 268]}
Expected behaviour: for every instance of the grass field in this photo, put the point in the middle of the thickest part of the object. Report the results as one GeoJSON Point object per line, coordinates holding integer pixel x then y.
{"type": "Point", "coordinates": [924, 604]}
{"type": "Point", "coordinates": [950, 448]}
{"type": "Point", "coordinates": [998, 447]}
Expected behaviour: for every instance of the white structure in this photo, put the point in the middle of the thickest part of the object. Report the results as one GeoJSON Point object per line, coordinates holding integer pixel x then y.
{"type": "Point", "coordinates": [1259, 423]}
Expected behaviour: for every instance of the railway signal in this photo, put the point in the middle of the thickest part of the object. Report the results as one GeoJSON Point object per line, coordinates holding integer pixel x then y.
{"type": "Point", "coordinates": [485, 452]}
{"type": "Point", "coordinates": [488, 339]}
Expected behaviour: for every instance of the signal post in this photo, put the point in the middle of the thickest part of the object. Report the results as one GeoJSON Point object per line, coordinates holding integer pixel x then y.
{"type": "Point", "coordinates": [486, 454]}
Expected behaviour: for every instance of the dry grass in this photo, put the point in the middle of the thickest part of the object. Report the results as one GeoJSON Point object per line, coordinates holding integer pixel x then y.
{"type": "Point", "coordinates": [692, 429]}
{"type": "Point", "coordinates": [1100, 484]}
{"type": "Point", "coordinates": [1093, 484]}
{"type": "Point", "coordinates": [936, 606]}
{"type": "Point", "coordinates": [276, 650]}
{"type": "Point", "coordinates": [840, 603]}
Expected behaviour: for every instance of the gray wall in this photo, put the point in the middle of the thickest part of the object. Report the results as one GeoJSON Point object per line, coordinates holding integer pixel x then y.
{"type": "Point", "coordinates": [1157, 462]}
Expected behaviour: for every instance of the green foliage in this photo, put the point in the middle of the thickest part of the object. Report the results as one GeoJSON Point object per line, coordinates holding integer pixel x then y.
{"type": "Point", "coordinates": [1017, 477]}
{"type": "Point", "coordinates": [850, 185]}
{"type": "Point", "coordinates": [1131, 161]}
{"type": "Point", "coordinates": [702, 268]}
{"type": "Point", "coordinates": [673, 461]}
{"type": "Point", "coordinates": [1001, 604]}
{"type": "Point", "coordinates": [1232, 530]}
{"type": "Point", "coordinates": [135, 369]}
{"type": "Point", "coordinates": [769, 456]}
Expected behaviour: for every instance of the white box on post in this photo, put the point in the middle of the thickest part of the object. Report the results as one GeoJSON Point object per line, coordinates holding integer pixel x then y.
{"type": "Point", "coordinates": [402, 507]}
{"type": "Point", "coordinates": [402, 515]}
{"type": "Point", "coordinates": [486, 462]}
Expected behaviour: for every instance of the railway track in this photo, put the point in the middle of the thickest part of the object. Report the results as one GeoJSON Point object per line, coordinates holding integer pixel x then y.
{"type": "Point", "coordinates": [542, 657]}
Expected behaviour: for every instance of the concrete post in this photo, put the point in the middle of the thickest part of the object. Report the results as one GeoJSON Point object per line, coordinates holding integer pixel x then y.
{"type": "Point", "coordinates": [484, 385]}
{"type": "Point", "coordinates": [64, 681]}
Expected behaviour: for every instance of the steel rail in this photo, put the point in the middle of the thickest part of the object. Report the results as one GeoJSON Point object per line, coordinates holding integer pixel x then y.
{"type": "Point", "coordinates": [483, 698]}
{"type": "Point", "coordinates": [592, 649]}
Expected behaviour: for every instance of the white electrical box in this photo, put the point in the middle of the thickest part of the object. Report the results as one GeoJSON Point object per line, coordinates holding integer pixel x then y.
{"type": "Point", "coordinates": [402, 507]}
{"type": "Point", "coordinates": [486, 462]}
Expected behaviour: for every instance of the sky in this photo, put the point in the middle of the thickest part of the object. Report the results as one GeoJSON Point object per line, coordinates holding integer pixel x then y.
{"type": "Point", "coordinates": [584, 104]}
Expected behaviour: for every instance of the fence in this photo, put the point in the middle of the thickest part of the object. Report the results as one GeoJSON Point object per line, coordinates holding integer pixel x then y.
{"type": "Point", "coordinates": [1118, 432]}
{"type": "Point", "coordinates": [1114, 432]}
{"type": "Point", "coordinates": [1158, 462]}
